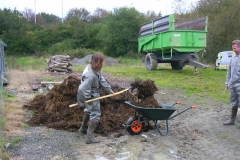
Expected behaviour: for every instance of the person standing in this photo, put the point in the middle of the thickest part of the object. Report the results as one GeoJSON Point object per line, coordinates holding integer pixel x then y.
{"type": "Point", "coordinates": [233, 82]}
{"type": "Point", "coordinates": [91, 80]}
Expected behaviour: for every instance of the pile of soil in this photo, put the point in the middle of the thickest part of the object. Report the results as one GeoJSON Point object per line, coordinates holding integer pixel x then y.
{"type": "Point", "coordinates": [143, 92]}
{"type": "Point", "coordinates": [52, 110]}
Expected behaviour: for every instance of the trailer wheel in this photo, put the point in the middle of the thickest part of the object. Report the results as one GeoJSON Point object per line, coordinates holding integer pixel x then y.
{"type": "Point", "coordinates": [177, 65]}
{"type": "Point", "coordinates": [151, 61]}
{"type": "Point", "coordinates": [134, 126]}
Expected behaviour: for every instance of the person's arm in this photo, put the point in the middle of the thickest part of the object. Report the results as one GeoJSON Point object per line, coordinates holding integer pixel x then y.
{"type": "Point", "coordinates": [84, 90]}
{"type": "Point", "coordinates": [105, 84]}
{"type": "Point", "coordinates": [228, 76]}
{"type": "Point", "coordinates": [235, 78]}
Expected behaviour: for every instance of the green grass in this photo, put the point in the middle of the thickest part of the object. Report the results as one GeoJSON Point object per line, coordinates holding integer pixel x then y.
{"type": "Point", "coordinates": [15, 141]}
{"type": "Point", "coordinates": [11, 96]}
{"type": "Point", "coordinates": [128, 61]}
{"type": "Point", "coordinates": [25, 62]}
{"type": "Point", "coordinates": [47, 79]}
{"type": "Point", "coordinates": [238, 127]}
{"type": "Point", "coordinates": [207, 83]}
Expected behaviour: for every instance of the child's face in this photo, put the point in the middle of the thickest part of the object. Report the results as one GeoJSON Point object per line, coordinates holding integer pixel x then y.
{"type": "Point", "coordinates": [236, 49]}
{"type": "Point", "coordinates": [99, 68]}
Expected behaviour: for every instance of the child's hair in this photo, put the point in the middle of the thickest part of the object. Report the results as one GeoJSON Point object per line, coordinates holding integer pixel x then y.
{"type": "Point", "coordinates": [236, 42]}
{"type": "Point", "coordinates": [97, 61]}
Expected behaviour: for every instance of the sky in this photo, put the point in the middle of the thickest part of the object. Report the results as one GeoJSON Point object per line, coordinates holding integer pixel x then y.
{"type": "Point", "coordinates": [61, 7]}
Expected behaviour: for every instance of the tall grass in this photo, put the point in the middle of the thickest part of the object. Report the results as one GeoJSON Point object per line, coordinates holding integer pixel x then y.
{"type": "Point", "coordinates": [23, 63]}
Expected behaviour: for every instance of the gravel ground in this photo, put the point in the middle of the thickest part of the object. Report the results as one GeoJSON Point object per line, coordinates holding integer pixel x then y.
{"type": "Point", "coordinates": [42, 143]}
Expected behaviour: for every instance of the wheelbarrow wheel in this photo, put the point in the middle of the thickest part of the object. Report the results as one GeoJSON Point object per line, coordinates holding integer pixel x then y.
{"type": "Point", "coordinates": [135, 127]}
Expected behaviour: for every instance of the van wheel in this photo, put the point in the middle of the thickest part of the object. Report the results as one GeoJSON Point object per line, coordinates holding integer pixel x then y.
{"type": "Point", "coordinates": [151, 61]}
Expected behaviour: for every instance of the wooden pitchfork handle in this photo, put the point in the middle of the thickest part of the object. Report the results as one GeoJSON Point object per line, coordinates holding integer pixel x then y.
{"type": "Point", "coordinates": [95, 99]}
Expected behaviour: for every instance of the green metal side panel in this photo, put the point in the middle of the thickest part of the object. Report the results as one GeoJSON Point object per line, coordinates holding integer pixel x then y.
{"type": "Point", "coordinates": [165, 34]}
{"type": "Point", "coordinates": [181, 41]}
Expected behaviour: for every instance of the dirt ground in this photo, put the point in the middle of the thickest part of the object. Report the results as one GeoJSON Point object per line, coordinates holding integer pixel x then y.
{"type": "Point", "coordinates": [195, 134]}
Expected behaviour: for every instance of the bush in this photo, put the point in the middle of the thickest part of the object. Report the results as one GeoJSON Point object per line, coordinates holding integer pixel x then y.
{"type": "Point", "coordinates": [60, 47]}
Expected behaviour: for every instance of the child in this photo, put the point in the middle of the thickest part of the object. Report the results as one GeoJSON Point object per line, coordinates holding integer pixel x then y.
{"type": "Point", "coordinates": [233, 82]}
{"type": "Point", "coordinates": [89, 89]}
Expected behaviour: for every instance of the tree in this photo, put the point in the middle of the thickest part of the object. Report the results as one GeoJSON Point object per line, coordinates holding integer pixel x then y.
{"type": "Point", "coordinates": [49, 18]}
{"type": "Point", "coordinates": [14, 32]}
{"type": "Point", "coordinates": [98, 15]}
{"type": "Point", "coordinates": [180, 7]}
{"type": "Point", "coordinates": [45, 37]}
{"type": "Point", "coordinates": [81, 14]}
{"type": "Point", "coordinates": [19, 42]}
{"type": "Point", "coordinates": [151, 15]}
{"type": "Point", "coordinates": [10, 20]}
{"type": "Point", "coordinates": [223, 26]}
{"type": "Point", "coordinates": [28, 15]}
{"type": "Point", "coordinates": [119, 35]}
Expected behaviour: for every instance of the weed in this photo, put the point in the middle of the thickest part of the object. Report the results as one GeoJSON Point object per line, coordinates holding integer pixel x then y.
{"type": "Point", "coordinates": [25, 125]}
{"type": "Point", "coordinates": [73, 144]}
{"type": "Point", "coordinates": [120, 60]}
{"type": "Point", "coordinates": [11, 96]}
{"type": "Point", "coordinates": [32, 112]}
{"type": "Point", "coordinates": [48, 79]}
{"type": "Point", "coordinates": [14, 142]}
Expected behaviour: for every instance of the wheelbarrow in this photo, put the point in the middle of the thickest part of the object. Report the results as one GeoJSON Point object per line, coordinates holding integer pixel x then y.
{"type": "Point", "coordinates": [142, 115]}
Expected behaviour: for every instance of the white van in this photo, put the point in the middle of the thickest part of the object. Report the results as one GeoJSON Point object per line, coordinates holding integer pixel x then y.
{"type": "Point", "coordinates": [223, 60]}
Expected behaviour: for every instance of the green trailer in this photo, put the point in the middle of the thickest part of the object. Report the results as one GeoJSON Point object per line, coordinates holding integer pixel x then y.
{"type": "Point", "coordinates": [173, 40]}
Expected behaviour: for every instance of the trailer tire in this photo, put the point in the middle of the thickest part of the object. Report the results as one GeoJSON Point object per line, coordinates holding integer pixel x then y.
{"type": "Point", "coordinates": [178, 65]}
{"type": "Point", "coordinates": [151, 61]}
{"type": "Point", "coordinates": [134, 128]}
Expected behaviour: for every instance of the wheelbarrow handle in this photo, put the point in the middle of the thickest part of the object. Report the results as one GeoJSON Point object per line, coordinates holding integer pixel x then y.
{"type": "Point", "coordinates": [192, 107]}
{"type": "Point", "coordinates": [98, 98]}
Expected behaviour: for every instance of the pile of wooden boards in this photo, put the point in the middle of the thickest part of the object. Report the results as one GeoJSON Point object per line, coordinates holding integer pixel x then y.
{"type": "Point", "coordinates": [59, 63]}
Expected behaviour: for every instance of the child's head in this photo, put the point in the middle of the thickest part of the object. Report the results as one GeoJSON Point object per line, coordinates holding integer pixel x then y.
{"type": "Point", "coordinates": [97, 61]}
{"type": "Point", "coordinates": [236, 46]}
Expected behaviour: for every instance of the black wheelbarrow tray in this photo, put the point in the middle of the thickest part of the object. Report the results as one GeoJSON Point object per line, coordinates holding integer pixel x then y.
{"type": "Point", "coordinates": [142, 115]}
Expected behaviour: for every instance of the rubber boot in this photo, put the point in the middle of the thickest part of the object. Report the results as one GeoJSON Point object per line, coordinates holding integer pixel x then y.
{"type": "Point", "coordinates": [233, 117]}
{"type": "Point", "coordinates": [89, 138]}
{"type": "Point", "coordinates": [83, 128]}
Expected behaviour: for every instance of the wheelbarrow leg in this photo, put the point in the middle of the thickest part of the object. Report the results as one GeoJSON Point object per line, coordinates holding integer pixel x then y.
{"type": "Point", "coordinates": [162, 132]}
